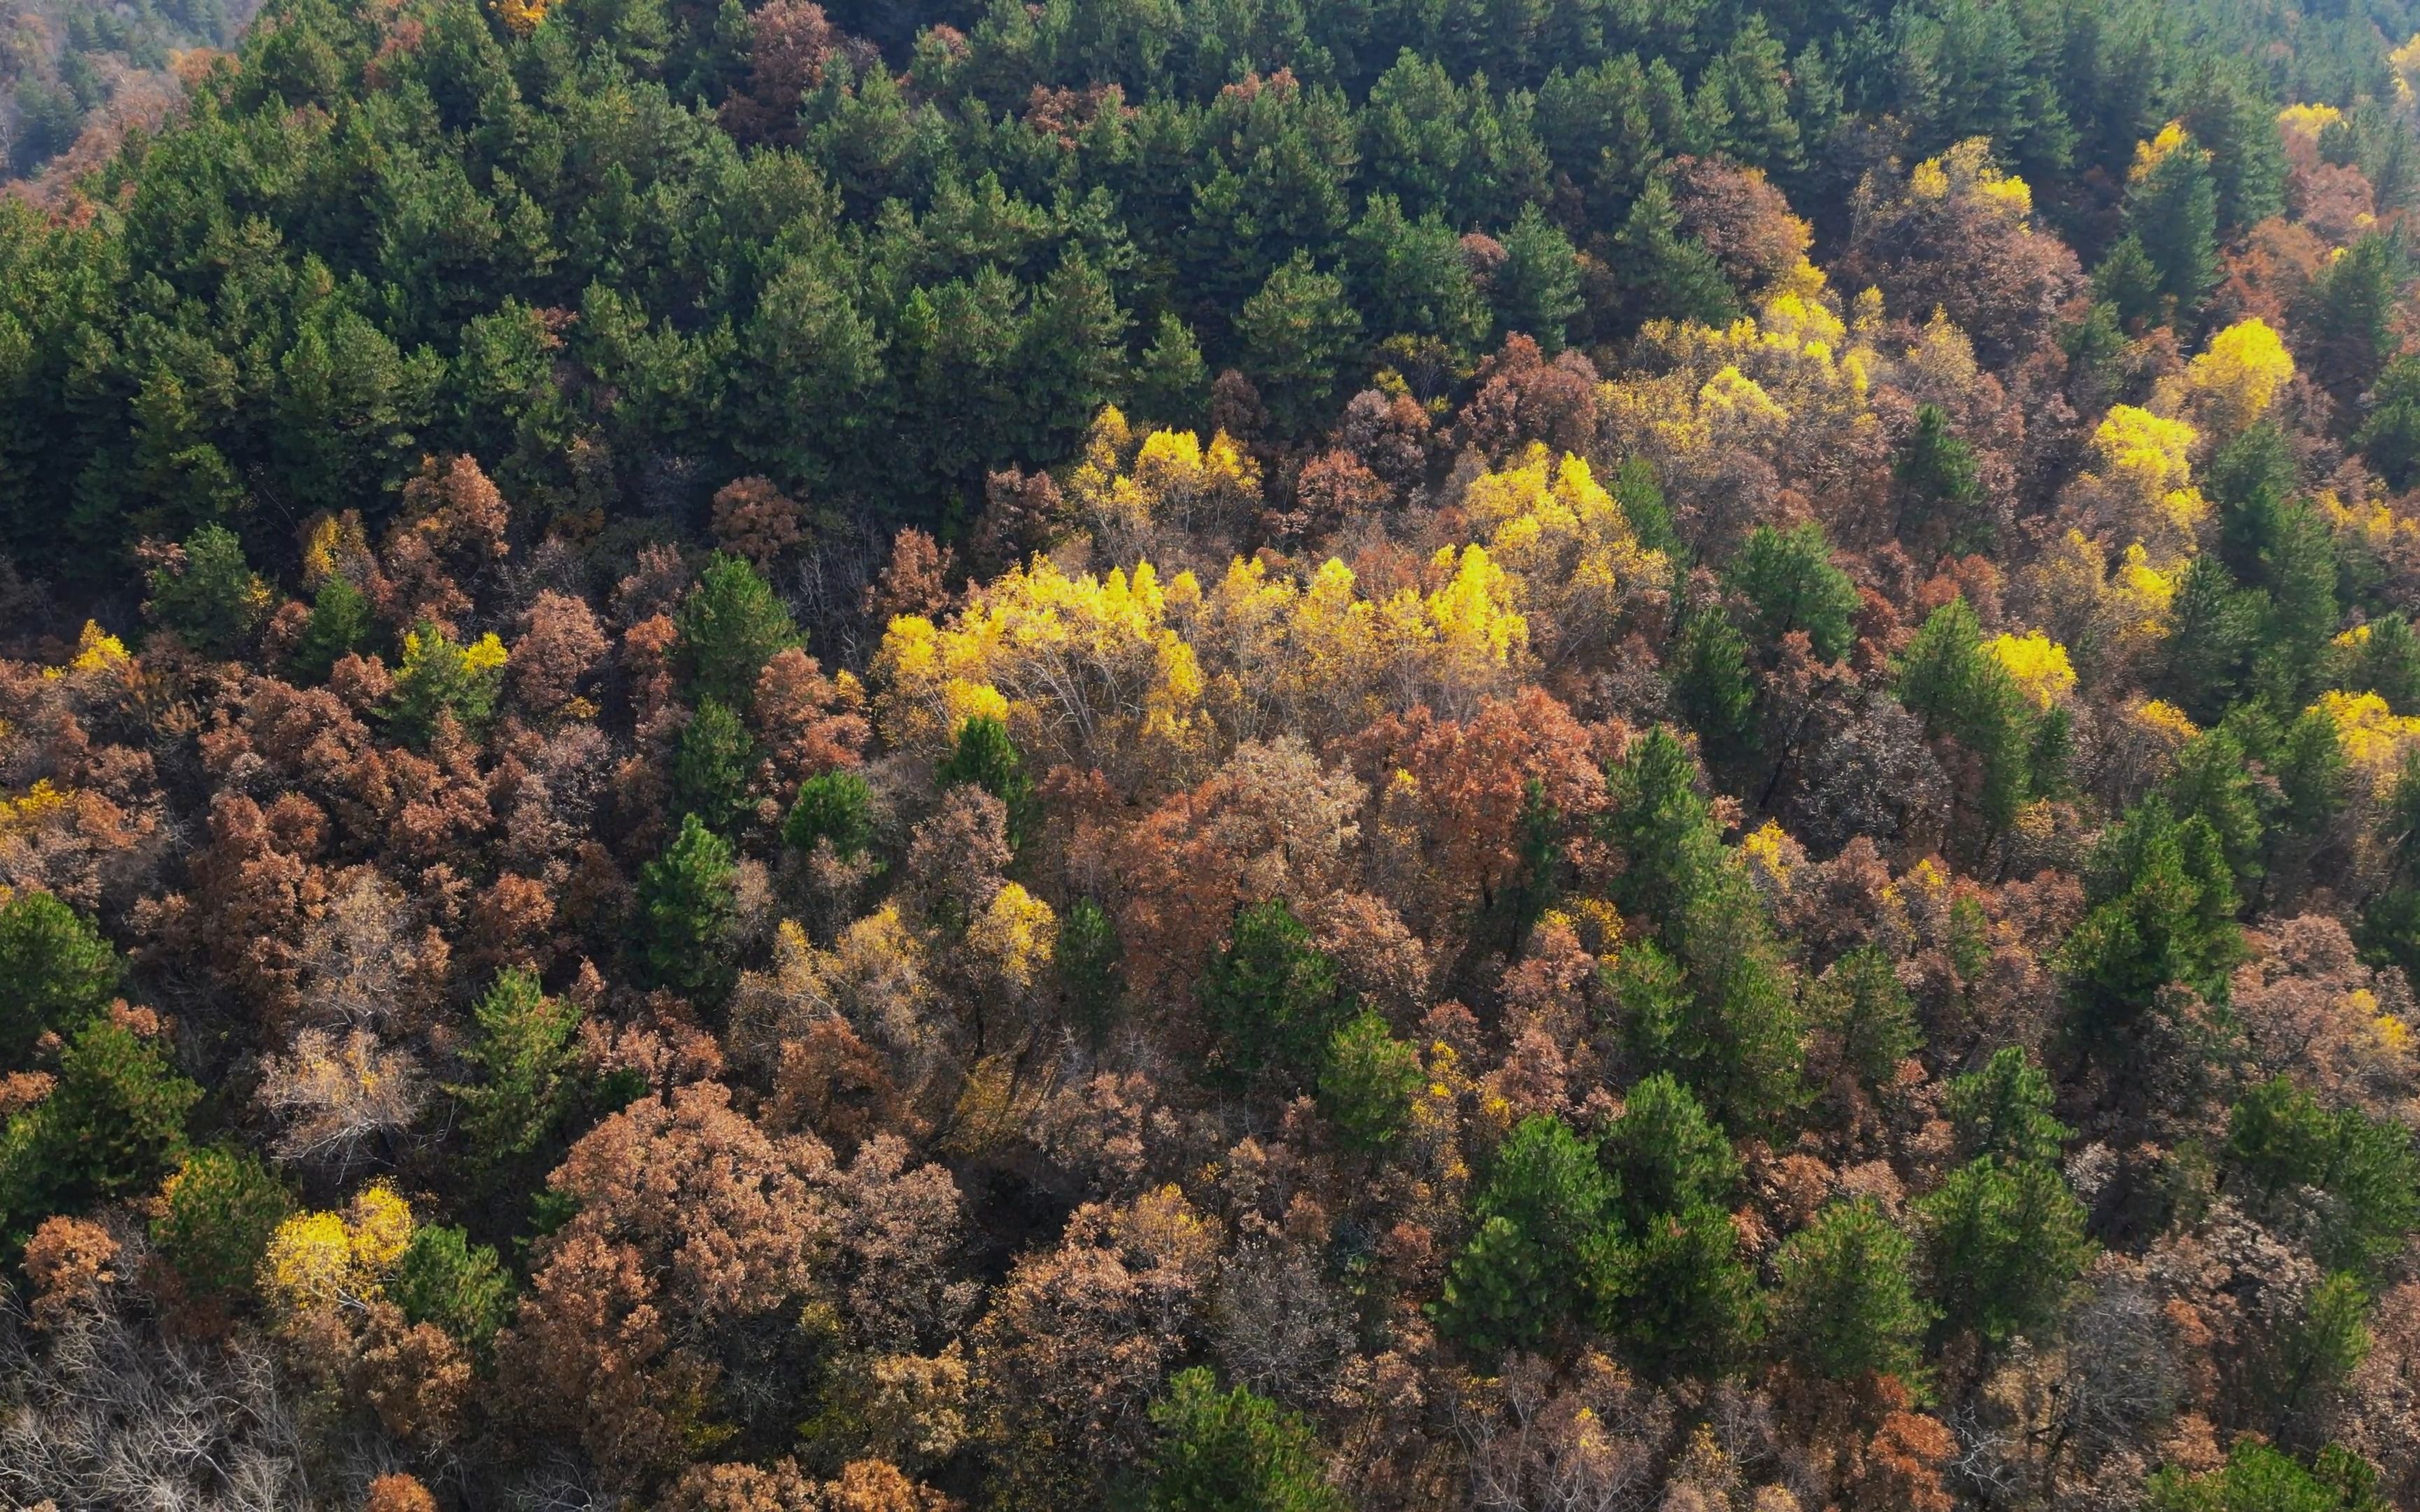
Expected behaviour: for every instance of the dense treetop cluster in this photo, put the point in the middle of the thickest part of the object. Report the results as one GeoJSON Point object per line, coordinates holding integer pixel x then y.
{"type": "Point", "coordinates": [1219, 756]}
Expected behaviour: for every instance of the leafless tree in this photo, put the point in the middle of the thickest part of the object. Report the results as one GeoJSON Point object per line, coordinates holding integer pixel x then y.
{"type": "Point", "coordinates": [339, 1096]}
{"type": "Point", "coordinates": [1277, 1324]}
{"type": "Point", "coordinates": [97, 1411]}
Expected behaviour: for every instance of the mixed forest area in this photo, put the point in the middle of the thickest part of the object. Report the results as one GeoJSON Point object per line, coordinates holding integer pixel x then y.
{"type": "Point", "coordinates": [74, 74]}
{"type": "Point", "coordinates": [1175, 755]}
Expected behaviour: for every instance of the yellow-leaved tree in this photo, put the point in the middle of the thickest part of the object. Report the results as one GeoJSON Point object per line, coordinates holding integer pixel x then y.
{"type": "Point", "coordinates": [319, 1258]}
{"type": "Point", "coordinates": [2144, 481]}
{"type": "Point", "coordinates": [1143, 495]}
{"type": "Point", "coordinates": [1574, 565]}
{"type": "Point", "coordinates": [1788, 387]}
{"type": "Point", "coordinates": [2037, 664]}
{"type": "Point", "coordinates": [2238, 376]}
{"type": "Point", "coordinates": [1086, 671]}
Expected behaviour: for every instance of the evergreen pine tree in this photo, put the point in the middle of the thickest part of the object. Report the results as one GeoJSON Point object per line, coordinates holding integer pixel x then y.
{"type": "Point", "coordinates": [1861, 1000]}
{"type": "Point", "coordinates": [444, 1279]}
{"type": "Point", "coordinates": [522, 1061]}
{"type": "Point", "coordinates": [2214, 630]}
{"type": "Point", "coordinates": [1665, 274]}
{"type": "Point", "coordinates": [1537, 290]}
{"type": "Point", "coordinates": [1539, 1235]}
{"type": "Point", "coordinates": [1087, 959]}
{"type": "Point", "coordinates": [1368, 1085]}
{"type": "Point", "coordinates": [2389, 436]}
{"type": "Point", "coordinates": [2127, 285]}
{"type": "Point", "coordinates": [1711, 685]}
{"type": "Point", "coordinates": [1233, 1452]}
{"type": "Point", "coordinates": [56, 971]}
{"type": "Point", "coordinates": [1846, 1303]}
{"type": "Point", "coordinates": [984, 754]}
{"type": "Point", "coordinates": [1789, 578]}
{"type": "Point", "coordinates": [1678, 1294]}
{"type": "Point", "coordinates": [113, 1125]}
{"type": "Point", "coordinates": [686, 911]}
{"type": "Point", "coordinates": [2005, 1240]}
{"type": "Point", "coordinates": [2160, 902]}
{"type": "Point", "coordinates": [711, 764]}
{"type": "Point", "coordinates": [213, 600]}
{"type": "Point", "coordinates": [831, 806]}
{"type": "Point", "coordinates": [339, 625]}
{"type": "Point", "coordinates": [731, 625]}
{"type": "Point", "coordinates": [2172, 213]}
{"type": "Point", "coordinates": [2351, 320]}
{"type": "Point", "coordinates": [1948, 678]}
{"type": "Point", "coordinates": [2385, 660]}
{"type": "Point", "coordinates": [1665, 1154]}
{"type": "Point", "coordinates": [2002, 1110]}
{"type": "Point", "coordinates": [1936, 472]}
{"type": "Point", "coordinates": [2213, 783]}
{"type": "Point", "coordinates": [1271, 997]}
{"type": "Point", "coordinates": [1172, 384]}
{"type": "Point", "coordinates": [213, 1221]}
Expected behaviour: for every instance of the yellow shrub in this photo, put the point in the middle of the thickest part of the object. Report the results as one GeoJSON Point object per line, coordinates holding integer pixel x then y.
{"type": "Point", "coordinates": [2149, 155]}
{"type": "Point", "coordinates": [1967, 169]}
{"type": "Point", "coordinates": [1566, 543]}
{"type": "Point", "coordinates": [96, 651]}
{"type": "Point", "coordinates": [317, 1258]}
{"type": "Point", "coordinates": [2305, 122]}
{"type": "Point", "coordinates": [1471, 617]}
{"type": "Point", "coordinates": [1088, 668]}
{"type": "Point", "coordinates": [2168, 720]}
{"type": "Point", "coordinates": [2143, 592]}
{"type": "Point", "coordinates": [38, 803]}
{"type": "Point", "coordinates": [2241, 371]}
{"type": "Point", "coordinates": [2405, 61]}
{"type": "Point", "coordinates": [381, 1225]}
{"type": "Point", "coordinates": [2374, 738]}
{"type": "Point", "coordinates": [2038, 664]}
{"type": "Point", "coordinates": [2147, 457]}
{"type": "Point", "coordinates": [520, 17]}
{"type": "Point", "coordinates": [310, 1259]}
{"type": "Point", "coordinates": [1014, 936]}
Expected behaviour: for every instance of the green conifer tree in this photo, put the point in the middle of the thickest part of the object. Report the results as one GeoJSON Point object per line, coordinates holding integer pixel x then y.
{"type": "Point", "coordinates": [1712, 683]}
{"type": "Point", "coordinates": [1368, 1084]}
{"type": "Point", "coordinates": [215, 600]}
{"type": "Point", "coordinates": [339, 625]}
{"type": "Point", "coordinates": [831, 806]}
{"type": "Point", "coordinates": [1789, 578]}
{"type": "Point", "coordinates": [731, 625]}
{"type": "Point", "coordinates": [1089, 960]}
{"type": "Point", "coordinates": [214, 1222]}
{"type": "Point", "coordinates": [1537, 291]}
{"type": "Point", "coordinates": [1233, 1450]}
{"type": "Point", "coordinates": [1271, 997]}
{"type": "Point", "coordinates": [1861, 1000]}
{"type": "Point", "coordinates": [711, 765]}
{"type": "Point", "coordinates": [113, 1125]}
{"type": "Point", "coordinates": [2005, 1240]}
{"type": "Point", "coordinates": [1539, 1241]}
{"type": "Point", "coordinates": [444, 1279]}
{"type": "Point", "coordinates": [1845, 1305]}
{"type": "Point", "coordinates": [56, 971]}
{"type": "Point", "coordinates": [984, 754]}
{"type": "Point", "coordinates": [686, 911]}
{"type": "Point", "coordinates": [2002, 1110]}
{"type": "Point", "coordinates": [1665, 275]}
{"type": "Point", "coordinates": [523, 1060]}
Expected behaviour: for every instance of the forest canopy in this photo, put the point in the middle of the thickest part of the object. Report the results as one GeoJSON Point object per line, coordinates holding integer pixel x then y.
{"type": "Point", "coordinates": [1212, 754]}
